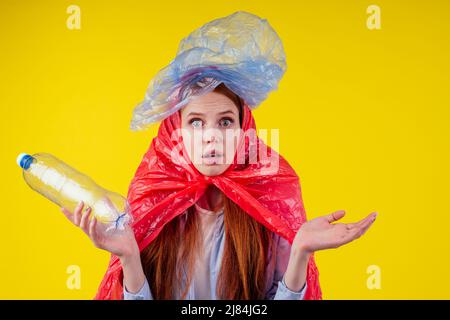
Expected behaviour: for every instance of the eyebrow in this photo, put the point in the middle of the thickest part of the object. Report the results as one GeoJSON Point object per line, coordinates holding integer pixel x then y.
{"type": "Point", "coordinates": [201, 114]}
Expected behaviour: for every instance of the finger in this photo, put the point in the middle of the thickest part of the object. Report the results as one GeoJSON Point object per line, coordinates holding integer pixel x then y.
{"type": "Point", "coordinates": [335, 216]}
{"type": "Point", "coordinates": [67, 213]}
{"type": "Point", "coordinates": [362, 221]}
{"type": "Point", "coordinates": [352, 234]}
{"type": "Point", "coordinates": [363, 231]}
{"type": "Point", "coordinates": [77, 213]}
{"type": "Point", "coordinates": [359, 231]}
{"type": "Point", "coordinates": [347, 235]}
{"type": "Point", "coordinates": [93, 230]}
{"type": "Point", "coordinates": [85, 219]}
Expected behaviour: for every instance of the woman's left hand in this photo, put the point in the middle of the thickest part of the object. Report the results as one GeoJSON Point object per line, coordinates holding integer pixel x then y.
{"type": "Point", "coordinates": [320, 233]}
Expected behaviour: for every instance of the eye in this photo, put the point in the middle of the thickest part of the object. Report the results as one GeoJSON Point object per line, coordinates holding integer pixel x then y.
{"type": "Point", "coordinates": [196, 123]}
{"type": "Point", "coordinates": [226, 122]}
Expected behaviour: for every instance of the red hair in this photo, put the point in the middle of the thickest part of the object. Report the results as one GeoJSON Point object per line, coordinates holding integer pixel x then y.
{"type": "Point", "coordinates": [243, 271]}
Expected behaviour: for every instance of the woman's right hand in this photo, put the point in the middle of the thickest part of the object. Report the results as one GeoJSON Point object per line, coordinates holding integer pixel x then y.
{"type": "Point", "coordinates": [122, 243]}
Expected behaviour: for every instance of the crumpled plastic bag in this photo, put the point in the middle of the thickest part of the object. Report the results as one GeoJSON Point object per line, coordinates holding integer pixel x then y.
{"type": "Point", "coordinates": [241, 50]}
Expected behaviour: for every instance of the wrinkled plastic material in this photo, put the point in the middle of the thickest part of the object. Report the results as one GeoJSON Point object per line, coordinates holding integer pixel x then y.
{"type": "Point", "coordinates": [241, 50]}
{"type": "Point", "coordinates": [163, 188]}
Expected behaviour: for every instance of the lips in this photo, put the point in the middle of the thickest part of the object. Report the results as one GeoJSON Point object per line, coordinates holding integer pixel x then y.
{"type": "Point", "coordinates": [212, 154]}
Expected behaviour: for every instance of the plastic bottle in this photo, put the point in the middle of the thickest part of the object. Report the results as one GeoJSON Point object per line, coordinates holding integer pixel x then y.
{"type": "Point", "coordinates": [66, 187]}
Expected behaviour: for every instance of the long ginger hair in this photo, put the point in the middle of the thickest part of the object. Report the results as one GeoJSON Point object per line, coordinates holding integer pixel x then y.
{"type": "Point", "coordinates": [243, 271]}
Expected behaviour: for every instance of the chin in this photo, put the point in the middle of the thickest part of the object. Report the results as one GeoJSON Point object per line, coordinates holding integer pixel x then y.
{"type": "Point", "coordinates": [212, 170]}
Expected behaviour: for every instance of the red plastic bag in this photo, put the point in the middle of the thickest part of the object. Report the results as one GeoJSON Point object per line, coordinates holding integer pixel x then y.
{"type": "Point", "coordinates": [163, 189]}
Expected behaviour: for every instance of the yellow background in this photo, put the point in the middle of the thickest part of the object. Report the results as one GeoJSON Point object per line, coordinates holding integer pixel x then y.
{"type": "Point", "coordinates": [363, 118]}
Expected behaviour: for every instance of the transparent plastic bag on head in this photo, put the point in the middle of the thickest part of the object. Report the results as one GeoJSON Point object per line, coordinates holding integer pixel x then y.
{"type": "Point", "coordinates": [241, 50]}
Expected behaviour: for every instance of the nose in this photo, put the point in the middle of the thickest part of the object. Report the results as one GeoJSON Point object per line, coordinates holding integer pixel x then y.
{"type": "Point", "coordinates": [210, 138]}
{"type": "Point", "coordinates": [211, 135]}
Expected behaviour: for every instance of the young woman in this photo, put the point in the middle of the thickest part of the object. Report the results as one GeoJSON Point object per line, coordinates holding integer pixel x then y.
{"type": "Point", "coordinates": [215, 249]}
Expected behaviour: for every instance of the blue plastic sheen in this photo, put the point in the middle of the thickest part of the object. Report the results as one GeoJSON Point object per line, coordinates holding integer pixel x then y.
{"type": "Point", "coordinates": [241, 50]}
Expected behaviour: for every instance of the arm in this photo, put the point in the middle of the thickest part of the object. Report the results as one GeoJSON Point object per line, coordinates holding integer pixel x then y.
{"type": "Point", "coordinates": [319, 234]}
{"type": "Point", "coordinates": [135, 284]}
{"type": "Point", "coordinates": [123, 244]}
{"type": "Point", "coordinates": [285, 293]}
{"type": "Point", "coordinates": [295, 276]}
{"type": "Point", "coordinates": [280, 290]}
{"type": "Point", "coordinates": [143, 294]}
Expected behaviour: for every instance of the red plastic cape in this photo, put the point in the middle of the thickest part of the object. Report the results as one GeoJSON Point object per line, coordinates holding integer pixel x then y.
{"type": "Point", "coordinates": [163, 189]}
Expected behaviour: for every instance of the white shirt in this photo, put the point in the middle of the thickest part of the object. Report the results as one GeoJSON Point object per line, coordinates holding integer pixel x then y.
{"type": "Point", "coordinates": [202, 283]}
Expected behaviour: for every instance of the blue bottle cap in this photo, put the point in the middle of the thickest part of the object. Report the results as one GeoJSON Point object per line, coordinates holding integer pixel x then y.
{"type": "Point", "coordinates": [24, 160]}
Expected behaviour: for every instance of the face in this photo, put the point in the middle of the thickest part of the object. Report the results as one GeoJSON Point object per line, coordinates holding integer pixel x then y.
{"type": "Point", "coordinates": [210, 127]}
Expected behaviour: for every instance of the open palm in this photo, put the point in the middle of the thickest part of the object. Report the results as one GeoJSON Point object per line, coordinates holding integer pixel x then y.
{"type": "Point", "coordinates": [320, 233]}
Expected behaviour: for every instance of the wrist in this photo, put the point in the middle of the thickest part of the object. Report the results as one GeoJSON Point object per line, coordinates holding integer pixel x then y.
{"type": "Point", "coordinates": [130, 257]}
{"type": "Point", "coordinates": [300, 253]}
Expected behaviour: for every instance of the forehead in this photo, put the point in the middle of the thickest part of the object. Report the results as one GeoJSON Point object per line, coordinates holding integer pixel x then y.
{"type": "Point", "coordinates": [211, 103]}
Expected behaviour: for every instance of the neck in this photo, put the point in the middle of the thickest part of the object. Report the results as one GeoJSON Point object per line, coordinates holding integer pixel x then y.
{"type": "Point", "coordinates": [213, 197]}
